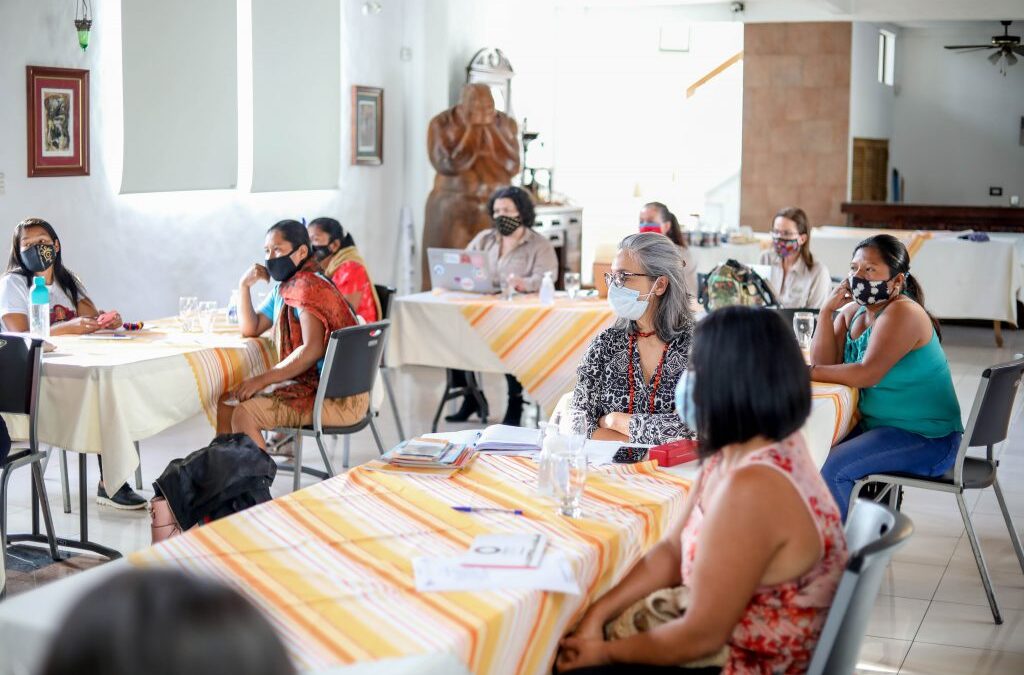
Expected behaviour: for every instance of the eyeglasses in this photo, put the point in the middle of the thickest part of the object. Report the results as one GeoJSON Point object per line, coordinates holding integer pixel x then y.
{"type": "Point", "coordinates": [618, 279]}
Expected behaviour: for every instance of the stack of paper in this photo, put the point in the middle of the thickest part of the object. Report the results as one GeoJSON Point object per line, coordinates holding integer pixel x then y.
{"type": "Point", "coordinates": [429, 453]}
{"type": "Point", "coordinates": [501, 438]}
{"type": "Point", "coordinates": [506, 550]}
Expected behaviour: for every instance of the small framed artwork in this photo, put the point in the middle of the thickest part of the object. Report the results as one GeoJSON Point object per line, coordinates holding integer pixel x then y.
{"type": "Point", "coordinates": [367, 125]}
{"type": "Point", "coordinates": [58, 121]}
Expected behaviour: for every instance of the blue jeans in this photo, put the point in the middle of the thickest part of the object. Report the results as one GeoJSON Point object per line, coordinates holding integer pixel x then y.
{"type": "Point", "coordinates": [885, 450]}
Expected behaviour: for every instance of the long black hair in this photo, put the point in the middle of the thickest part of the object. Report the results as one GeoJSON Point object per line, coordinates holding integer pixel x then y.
{"type": "Point", "coordinates": [334, 231]}
{"type": "Point", "coordinates": [675, 233]}
{"type": "Point", "coordinates": [162, 622]}
{"type": "Point", "coordinates": [520, 197]}
{"type": "Point", "coordinates": [733, 347]}
{"type": "Point", "coordinates": [897, 258]}
{"type": "Point", "coordinates": [64, 277]}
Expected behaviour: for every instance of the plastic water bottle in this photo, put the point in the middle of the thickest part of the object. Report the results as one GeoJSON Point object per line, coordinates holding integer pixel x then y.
{"type": "Point", "coordinates": [547, 290]}
{"type": "Point", "coordinates": [39, 312]}
{"type": "Point", "coordinates": [233, 308]}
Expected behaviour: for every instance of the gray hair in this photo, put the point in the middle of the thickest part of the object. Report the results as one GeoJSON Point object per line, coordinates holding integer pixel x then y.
{"type": "Point", "coordinates": [659, 257]}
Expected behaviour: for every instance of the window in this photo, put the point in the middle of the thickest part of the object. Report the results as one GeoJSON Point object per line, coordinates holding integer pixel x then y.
{"type": "Point", "coordinates": [886, 57]}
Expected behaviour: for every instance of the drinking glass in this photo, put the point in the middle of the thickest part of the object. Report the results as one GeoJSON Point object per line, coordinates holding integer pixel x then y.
{"type": "Point", "coordinates": [569, 476]}
{"type": "Point", "coordinates": [207, 315]}
{"type": "Point", "coordinates": [572, 425]}
{"type": "Point", "coordinates": [803, 326]}
{"type": "Point", "coordinates": [187, 307]}
{"type": "Point", "coordinates": [572, 284]}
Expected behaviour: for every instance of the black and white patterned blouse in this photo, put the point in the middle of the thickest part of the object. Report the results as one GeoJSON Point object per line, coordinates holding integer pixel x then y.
{"type": "Point", "coordinates": [602, 387]}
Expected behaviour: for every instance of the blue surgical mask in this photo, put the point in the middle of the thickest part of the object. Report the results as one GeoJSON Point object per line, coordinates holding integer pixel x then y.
{"type": "Point", "coordinates": [685, 406]}
{"type": "Point", "coordinates": [626, 302]}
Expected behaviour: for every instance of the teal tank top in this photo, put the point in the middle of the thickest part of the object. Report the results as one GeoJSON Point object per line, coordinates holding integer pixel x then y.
{"type": "Point", "coordinates": [917, 393]}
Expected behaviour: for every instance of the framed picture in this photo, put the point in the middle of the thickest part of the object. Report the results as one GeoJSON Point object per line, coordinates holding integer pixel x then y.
{"type": "Point", "coordinates": [58, 121]}
{"type": "Point", "coordinates": [367, 125]}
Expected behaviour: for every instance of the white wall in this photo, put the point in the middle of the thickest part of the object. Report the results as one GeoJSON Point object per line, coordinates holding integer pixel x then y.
{"type": "Point", "coordinates": [956, 120]}
{"type": "Point", "coordinates": [872, 103]}
{"type": "Point", "coordinates": [139, 252]}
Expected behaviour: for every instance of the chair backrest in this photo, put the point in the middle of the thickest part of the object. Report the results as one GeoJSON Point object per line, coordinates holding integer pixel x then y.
{"type": "Point", "coordinates": [993, 404]}
{"type": "Point", "coordinates": [384, 294]}
{"type": "Point", "coordinates": [20, 359]}
{"type": "Point", "coordinates": [873, 533]}
{"type": "Point", "coordinates": [351, 363]}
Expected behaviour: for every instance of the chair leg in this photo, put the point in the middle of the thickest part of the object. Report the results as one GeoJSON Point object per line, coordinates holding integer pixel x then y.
{"type": "Point", "coordinates": [440, 407]}
{"type": "Point", "coordinates": [347, 445]}
{"type": "Point", "coordinates": [323, 454]}
{"type": "Point", "coordinates": [297, 461]}
{"type": "Point", "coordinates": [65, 487]}
{"type": "Point", "coordinates": [376, 437]}
{"type": "Point", "coordinates": [394, 404]}
{"type": "Point", "coordinates": [979, 559]}
{"type": "Point", "coordinates": [1009, 524]}
{"type": "Point", "coordinates": [5, 476]}
{"type": "Point", "coordinates": [138, 469]}
{"type": "Point", "coordinates": [51, 537]}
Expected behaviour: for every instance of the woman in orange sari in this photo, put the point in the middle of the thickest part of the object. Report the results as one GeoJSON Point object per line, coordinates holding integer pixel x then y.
{"type": "Point", "coordinates": [303, 308]}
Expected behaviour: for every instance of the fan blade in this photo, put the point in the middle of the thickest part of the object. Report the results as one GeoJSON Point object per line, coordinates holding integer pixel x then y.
{"type": "Point", "coordinates": [1019, 50]}
{"type": "Point", "coordinates": [969, 47]}
{"type": "Point", "coordinates": [968, 50]}
{"type": "Point", "coordinates": [1010, 58]}
{"type": "Point", "coordinates": [994, 57]}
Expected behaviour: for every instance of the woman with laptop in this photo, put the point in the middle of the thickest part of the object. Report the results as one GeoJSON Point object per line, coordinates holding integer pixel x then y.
{"type": "Point", "coordinates": [516, 254]}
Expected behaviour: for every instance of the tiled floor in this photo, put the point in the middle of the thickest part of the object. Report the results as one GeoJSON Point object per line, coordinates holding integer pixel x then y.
{"type": "Point", "coordinates": [930, 618]}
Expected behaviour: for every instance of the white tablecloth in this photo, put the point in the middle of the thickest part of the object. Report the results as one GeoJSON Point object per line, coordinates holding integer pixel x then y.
{"type": "Point", "coordinates": [961, 279]}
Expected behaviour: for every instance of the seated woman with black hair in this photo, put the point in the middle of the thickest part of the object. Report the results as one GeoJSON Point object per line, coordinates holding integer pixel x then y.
{"type": "Point", "coordinates": [886, 344]}
{"type": "Point", "coordinates": [516, 254]}
{"type": "Point", "coordinates": [303, 308]}
{"type": "Point", "coordinates": [339, 258]}
{"type": "Point", "coordinates": [760, 545]}
{"type": "Point", "coordinates": [36, 252]}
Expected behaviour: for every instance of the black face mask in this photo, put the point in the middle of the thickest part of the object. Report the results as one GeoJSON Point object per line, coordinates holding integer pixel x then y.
{"type": "Point", "coordinates": [506, 225]}
{"type": "Point", "coordinates": [282, 269]}
{"type": "Point", "coordinates": [322, 252]}
{"type": "Point", "coordinates": [39, 258]}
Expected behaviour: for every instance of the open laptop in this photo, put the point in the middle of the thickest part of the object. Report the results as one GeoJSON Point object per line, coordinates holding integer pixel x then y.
{"type": "Point", "coordinates": [457, 270]}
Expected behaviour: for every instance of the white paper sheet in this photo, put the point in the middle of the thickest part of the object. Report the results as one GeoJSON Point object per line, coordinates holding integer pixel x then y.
{"type": "Point", "coordinates": [448, 574]}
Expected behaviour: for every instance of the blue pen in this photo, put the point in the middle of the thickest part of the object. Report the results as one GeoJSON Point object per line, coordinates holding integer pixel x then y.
{"type": "Point", "coordinates": [483, 509]}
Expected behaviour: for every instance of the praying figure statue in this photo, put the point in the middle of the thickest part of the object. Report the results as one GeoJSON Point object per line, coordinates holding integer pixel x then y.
{"type": "Point", "coordinates": [475, 150]}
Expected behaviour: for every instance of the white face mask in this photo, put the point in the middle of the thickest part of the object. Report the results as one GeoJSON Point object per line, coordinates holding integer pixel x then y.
{"type": "Point", "coordinates": [626, 302]}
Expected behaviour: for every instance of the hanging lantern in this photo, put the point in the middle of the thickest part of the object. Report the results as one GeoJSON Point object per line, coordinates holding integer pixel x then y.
{"type": "Point", "coordinates": [83, 22]}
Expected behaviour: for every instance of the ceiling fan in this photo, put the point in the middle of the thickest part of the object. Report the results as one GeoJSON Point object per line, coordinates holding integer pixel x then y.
{"type": "Point", "coordinates": [1006, 47]}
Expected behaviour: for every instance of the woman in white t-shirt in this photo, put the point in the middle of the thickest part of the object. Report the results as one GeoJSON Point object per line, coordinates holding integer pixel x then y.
{"type": "Point", "coordinates": [799, 281]}
{"type": "Point", "coordinates": [36, 252]}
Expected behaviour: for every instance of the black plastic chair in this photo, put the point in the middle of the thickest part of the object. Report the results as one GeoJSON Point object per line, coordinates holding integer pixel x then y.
{"type": "Point", "coordinates": [988, 425]}
{"type": "Point", "coordinates": [20, 368]}
{"type": "Point", "coordinates": [873, 534]}
{"type": "Point", "coordinates": [385, 295]}
{"type": "Point", "coordinates": [350, 367]}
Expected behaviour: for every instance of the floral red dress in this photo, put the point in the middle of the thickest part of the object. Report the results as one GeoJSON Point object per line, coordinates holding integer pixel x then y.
{"type": "Point", "coordinates": [781, 624]}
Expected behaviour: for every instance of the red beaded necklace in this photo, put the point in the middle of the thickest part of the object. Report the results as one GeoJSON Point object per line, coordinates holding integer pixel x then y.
{"type": "Point", "coordinates": [657, 371]}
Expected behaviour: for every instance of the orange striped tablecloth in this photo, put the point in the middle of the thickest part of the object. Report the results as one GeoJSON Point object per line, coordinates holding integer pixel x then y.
{"type": "Point", "coordinates": [540, 345]}
{"type": "Point", "coordinates": [331, 565]}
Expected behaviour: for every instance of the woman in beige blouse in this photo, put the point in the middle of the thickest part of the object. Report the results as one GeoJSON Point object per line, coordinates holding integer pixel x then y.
{"type": "Point", "coordinates": [798, 281]}
{"type": "Point", "coordinates": [520, 256]}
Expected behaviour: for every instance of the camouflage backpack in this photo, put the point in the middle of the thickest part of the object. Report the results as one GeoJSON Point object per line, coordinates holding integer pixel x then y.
{"type": "Point", "coordinates": [732, 283]}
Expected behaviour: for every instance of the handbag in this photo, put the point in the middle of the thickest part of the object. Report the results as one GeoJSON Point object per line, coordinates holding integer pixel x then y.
{"type": "Point", "coordinates": [658, 608]}
{"type": "Point", "coordinates": [162, 523]}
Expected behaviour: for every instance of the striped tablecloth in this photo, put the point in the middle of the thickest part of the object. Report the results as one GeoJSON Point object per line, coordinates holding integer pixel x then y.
{"type": "Point", "coordinates": [331, 565]}
{"type": "Point", "coordinates": [101, 395]}
{"type": "Point", "coordinates": [541, 345]}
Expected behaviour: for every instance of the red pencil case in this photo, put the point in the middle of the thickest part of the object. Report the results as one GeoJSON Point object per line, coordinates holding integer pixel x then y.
{"type": "Point", "coordinates": [676, 452]}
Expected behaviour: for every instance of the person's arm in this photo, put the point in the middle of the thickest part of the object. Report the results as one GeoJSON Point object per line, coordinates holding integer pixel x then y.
{"type": "Point", "coordinates": [827, 345]}
{"type": "Point", "coordinates": [82, 325]}
{"type": "Point", "coordinates": [311, 350]}
{"type": "Point", "coordinates": [755, 514]}
{"type": "Point", "coordinates": [546, 260]}
{"type": "Point", "coordinates": [251, 322]}
{"type": "Point", "coordinates": [894, 334]}
{"type": "Point", "coordinates": [586, 396]}
{"type": "Point", "coordinates": [657, 428]}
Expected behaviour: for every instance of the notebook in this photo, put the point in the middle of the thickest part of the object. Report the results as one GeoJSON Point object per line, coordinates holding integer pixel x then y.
{"type": "Point", "coordinates": [501, 438]}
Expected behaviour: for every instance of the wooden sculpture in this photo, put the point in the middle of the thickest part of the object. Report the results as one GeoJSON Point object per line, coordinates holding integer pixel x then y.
{"type": "Point", "coordinates": [475, 150]}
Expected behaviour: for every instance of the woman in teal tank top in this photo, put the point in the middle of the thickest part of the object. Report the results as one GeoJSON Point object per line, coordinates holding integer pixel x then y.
{"type": "Point", "coordinates": [884, 343]}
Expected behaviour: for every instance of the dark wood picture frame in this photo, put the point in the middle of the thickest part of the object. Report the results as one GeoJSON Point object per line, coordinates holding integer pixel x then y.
{"type": "Point", "coordinates": [367, 125]}
{"type": "Point", "coordinates": [57, 120]}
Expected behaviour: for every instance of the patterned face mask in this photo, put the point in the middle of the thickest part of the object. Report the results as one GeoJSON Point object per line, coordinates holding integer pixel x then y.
{"type": "Point", "coordinates": [506, 225]}
{"type": "Point", "coordinates": [867, 292]}
{"type": "Point", "coordinates": [785, 247]}
{"type": "Point", "coordinates": [39, 258]}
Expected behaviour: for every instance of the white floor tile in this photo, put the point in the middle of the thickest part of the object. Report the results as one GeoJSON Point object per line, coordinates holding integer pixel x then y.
{"type": "Point", "coordinates": [964, 586]}
{"type": "Point", "coordinates": [929, 659]}
{"type": "Point", "coordinates": [959, 625]}
{"type": "Point", "coordinates": [881, 655]}
{"type": "Point", "coordinates": [911, 580]}
{"type": "Point", "coordinates": [896, 618]}
{"type": "Point", "coordinates": [927, 549]}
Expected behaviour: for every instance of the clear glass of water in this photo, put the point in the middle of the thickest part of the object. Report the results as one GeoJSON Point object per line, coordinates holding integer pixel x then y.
{"type": "Point", "coordinates": [803, 326]}
{"type": "Point", "coordinates": [569, 477]}
{"type": "Point", "coordinates": [208, 315]}
{"type": "Point", "coordinates": [572, 284]}
{"type": "Point", "coordinates": [188, 305]}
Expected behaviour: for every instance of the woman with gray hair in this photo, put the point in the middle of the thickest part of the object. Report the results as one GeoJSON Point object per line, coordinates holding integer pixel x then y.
{"type": "Point", "coordinates": [627, 379]}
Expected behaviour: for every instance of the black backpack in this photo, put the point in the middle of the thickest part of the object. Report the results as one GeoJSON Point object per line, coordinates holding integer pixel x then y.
{"type": "Point", "coordinates": [229, 475]}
